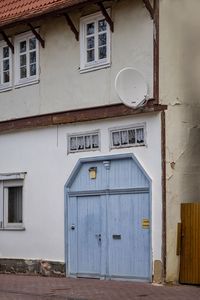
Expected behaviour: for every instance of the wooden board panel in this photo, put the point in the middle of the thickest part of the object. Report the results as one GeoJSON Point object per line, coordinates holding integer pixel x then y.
{"type": "Point", "coordinates": [109, 221]}
{"type": "Point", "coordinates": [190, 243]}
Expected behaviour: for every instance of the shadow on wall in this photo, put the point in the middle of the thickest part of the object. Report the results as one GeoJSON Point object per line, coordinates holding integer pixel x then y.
{"type": "Point", "coordinates": [188, 165]}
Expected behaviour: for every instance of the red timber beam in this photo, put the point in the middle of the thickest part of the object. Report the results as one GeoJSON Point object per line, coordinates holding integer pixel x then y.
{"type": "Point", "coordinates": [154, 13]}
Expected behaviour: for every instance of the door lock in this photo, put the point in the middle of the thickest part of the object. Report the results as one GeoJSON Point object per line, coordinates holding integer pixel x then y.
{"type": "Point", "coordinates": [98, 235]}
{"type": "Point", "coordinates": [72, 227]}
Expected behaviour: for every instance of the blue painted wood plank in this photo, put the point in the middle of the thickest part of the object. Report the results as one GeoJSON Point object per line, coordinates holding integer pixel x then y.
{"type": "Point", "coordinates": [112, 215]}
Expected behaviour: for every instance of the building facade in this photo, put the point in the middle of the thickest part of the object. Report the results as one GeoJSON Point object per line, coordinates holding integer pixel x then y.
{"type": "Point", "coordinates": [83, 179]}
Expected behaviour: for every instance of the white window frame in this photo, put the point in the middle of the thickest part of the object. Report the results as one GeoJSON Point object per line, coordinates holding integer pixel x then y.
{"type": "Point", "coordinates": [29, 79]}
{"type": "Point", "coordinates": [124, 128]}
{"type": "Point", "coordinates": [98, 63]}
{"type": "Point", "coordinates": [7, 181]}
{"type": "Point", "coordinates": [7, 85]}
{"type": "Point", "coordinates": [83, 134]}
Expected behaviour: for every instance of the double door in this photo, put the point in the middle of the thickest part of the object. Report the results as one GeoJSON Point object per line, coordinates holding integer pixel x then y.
{"type": "Point", "coordinates": [107, 236]}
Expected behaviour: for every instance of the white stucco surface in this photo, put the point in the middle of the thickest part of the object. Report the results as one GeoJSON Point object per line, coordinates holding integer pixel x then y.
{"type": "Point", "coordinates": [61, 86]}
{"type": "Point", "coordinates": [42, 153]}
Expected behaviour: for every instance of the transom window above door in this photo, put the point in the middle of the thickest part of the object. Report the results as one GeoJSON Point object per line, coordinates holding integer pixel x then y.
{"type": "Point", "coordinates": [128, 136]}
{"type": "Point", "coordinates": [94, 42]}
{"type": "Point", "coordinates": [84, 142]}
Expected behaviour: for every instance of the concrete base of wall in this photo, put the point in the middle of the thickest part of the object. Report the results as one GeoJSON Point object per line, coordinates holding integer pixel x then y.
{"type": "Point", "coordinates": [158, 272]}
{"type": "Point", "coordinates": [37, 267]}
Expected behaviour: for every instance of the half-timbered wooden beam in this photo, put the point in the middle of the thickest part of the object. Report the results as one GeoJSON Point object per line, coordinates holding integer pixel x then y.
{"type": "Point", "coordinates": [81, 115]}
{"type": "Point", "coordinates": [6, 39]}
{"type": "Point", "coordinates": [106, 15]}
{"type": "Point", "coordinates": [149, 7]}
{"type": "Point", "coordinates": [37, 35]}
{"type": "Point", "coordinates": [72, 27]}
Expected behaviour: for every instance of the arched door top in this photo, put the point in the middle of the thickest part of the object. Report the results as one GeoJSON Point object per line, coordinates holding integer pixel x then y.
{"type": "Point", "coordinates": [112, 172]}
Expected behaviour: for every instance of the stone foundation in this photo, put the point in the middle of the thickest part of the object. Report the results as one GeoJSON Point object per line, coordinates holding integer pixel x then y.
{"type": "Point", "coordinates": [32, 267]}
{"type": "Point", "coordinates": [158, 272]}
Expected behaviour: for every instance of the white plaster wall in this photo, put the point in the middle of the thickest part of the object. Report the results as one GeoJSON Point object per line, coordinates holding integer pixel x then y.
{"type": "Point", "coordinates": [42, 153]}
{"type": "Point", "coordinates": [61, 85]}
{"type": "Point", "coordinates": [179, 89]}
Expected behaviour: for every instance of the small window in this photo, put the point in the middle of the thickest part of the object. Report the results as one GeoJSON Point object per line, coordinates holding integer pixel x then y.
{"type": "Point", "coordinates": [5, 66]}
{"type": "Point", "coordinates": [11, 204]}
{"type": "Point", "coordinates": [127, 137]}
{"type": "Point", "coordinates": [83, 142]}
{"type": "Point", "coordinates": [94, 42]}
{"type": "Point", "coordinates": [26, 59]}
{"type": "Point", "coordinates": [14, 204]}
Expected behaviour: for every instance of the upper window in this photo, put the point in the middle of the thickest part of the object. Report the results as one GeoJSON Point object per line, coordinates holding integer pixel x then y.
{"type": "Point", "coordinates": [128, 137]}
{"type": "Point", "coordinates": [94, 42]}
{"type": "Point", "coordinates": [5, 66]}
{"type": "Point", "coordinates": [26, 58]}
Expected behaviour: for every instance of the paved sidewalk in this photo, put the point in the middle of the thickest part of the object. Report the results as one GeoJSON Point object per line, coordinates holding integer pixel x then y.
{"type": "Point", "coordinates": [17, 287]}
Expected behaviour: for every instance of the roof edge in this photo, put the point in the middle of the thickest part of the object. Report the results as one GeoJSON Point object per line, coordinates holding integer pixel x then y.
{"type": "Point", "coordinates": [38, 14]}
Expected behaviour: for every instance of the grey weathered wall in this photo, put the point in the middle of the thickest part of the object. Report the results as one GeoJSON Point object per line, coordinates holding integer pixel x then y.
{"type": "Point", "coordinates": [180, 90]}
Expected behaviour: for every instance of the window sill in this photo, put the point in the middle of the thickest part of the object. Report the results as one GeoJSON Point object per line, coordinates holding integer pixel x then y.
{"type": "Point", "coordinates": [13, 229]}
{"type": "Point", "coordinates": [26, 83]}
{"type": "Point", "coordinates": [94, 68]}
{"type": "Point", "coordinates": [85, 150]}
{"type": "Point", "coordinates": [127, 146]}
{"type": "Point", "coordinates": [5, 89]}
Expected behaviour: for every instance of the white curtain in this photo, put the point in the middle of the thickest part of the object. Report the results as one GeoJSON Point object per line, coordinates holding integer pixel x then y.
{"type": "Point", "coordinates": [140, 135]}
{"type": "Point", "coordinates": [73, 145]}
{"type": "Point", "coordinates": [116, 138]}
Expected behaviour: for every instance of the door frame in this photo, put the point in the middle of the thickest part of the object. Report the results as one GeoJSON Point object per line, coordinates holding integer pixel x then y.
{"type": "Point", "coordinates": [67, 186]}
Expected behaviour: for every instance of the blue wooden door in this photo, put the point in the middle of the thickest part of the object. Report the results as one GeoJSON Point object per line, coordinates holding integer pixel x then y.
{"type": "Point", "coordinates": [128, 254]}
{"type": "Point", "coordinates": [85, 236]}
{"type": "Point", "coordinates": [106, 218]}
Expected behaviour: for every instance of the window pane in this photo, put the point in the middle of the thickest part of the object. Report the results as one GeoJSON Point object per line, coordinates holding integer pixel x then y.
{"type": "Point", "coordinates": [73, 143]}
{"type": "Point", "coordinates": [33, 70]}
{"type": "Point", "coordinates": [90, 42]}
{"type": "Point", "coordinates": [95, 141]}
{"type": "Point", "coordinates": [80, 142]}
{"type": "Point", "coordinates": [6, 76]}
{"type": "Point", "coordinates": [15, 204]}
{"type": "Point", "coordinates": [23, 46]}
{"type": "Point", "coordinates": [102, 25]}
{"type": "Point", "coordinates": [23, 60]}
{"type": "Point", "coordinates": [102, 52]}
{"type": "Point", "coordinates": [90, 55]}
{"type": "Point", "coordinates": [32, 43]}
{"type": "Point", "coordinates": [116, 139]}
{"type": "Point", "coordinates": [140, 135]}
{"type": "Point", "coordinates": [32, 57]}
{"type": "Point", "coordinates": [124, 137]}
{"type": "Point", "coordinates": [90, 28]}
{"type": "Point", "coordinates": [6, 64]}
{"type": "Point", "coordinates": [102, 39]}
{"type": "Point", "coordinates": [87, 142]}
{"type": "Point", "coordinates": [131, 136]}
{"type": "Point", "coordinates": [5, 52]}
{"type": "Point", "coordinates": [23, 73]}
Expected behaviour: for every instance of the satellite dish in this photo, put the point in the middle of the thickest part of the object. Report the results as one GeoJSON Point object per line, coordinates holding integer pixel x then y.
{"type": "Point", "coordinates": [131, 87]}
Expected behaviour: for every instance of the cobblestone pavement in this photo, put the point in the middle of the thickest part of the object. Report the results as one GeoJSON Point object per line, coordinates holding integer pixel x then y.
{"type": "Point", "coordinates": [17, 287]}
